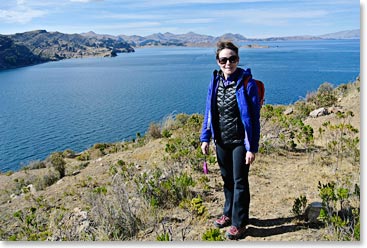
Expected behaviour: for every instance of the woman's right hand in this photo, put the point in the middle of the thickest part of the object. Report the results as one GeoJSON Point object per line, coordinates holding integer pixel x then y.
{"type": "Point", "coordinates": [205, 148]}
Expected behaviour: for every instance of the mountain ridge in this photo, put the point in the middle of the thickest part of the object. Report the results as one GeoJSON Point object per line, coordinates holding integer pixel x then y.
{"type": "Point", "coordinates": [191, 38]}
{"type": "Point", "coordinates": [39, 46]}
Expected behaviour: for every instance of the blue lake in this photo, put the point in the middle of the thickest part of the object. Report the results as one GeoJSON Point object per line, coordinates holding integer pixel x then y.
{"type": "Point", "coordinates": [73, 104]}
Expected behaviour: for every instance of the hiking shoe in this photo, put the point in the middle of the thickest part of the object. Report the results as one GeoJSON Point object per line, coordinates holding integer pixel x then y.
{"type": "Point", "coordinates": [223, 221]}
{"type": "Point", "coordinates": [236, 233]}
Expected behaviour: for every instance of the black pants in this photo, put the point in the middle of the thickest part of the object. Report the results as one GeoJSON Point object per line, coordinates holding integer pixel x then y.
{"type": "Point", "coordinates": [234, 171]}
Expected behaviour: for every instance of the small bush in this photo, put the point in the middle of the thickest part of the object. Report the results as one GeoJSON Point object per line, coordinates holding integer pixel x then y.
{"type": "Point", "coordinates": [324, 97]}
{"type": "Point", "coordinates": [113, 212]}
{"type": "Point", "coordinates": [197, 206]}
{"type": "Point", "coordinates": [299, 205]}
{"type": "Point", "coordinates": [341, 216]}
{"type": "Point", "coordinates": [58, 163]}
{"type": "Point", "coordinates": [46, 180]}
{"type": "Point", "coordinates": [34, 165]}
{"type": "Point", "coordinates": [163, 237]}
{"type": "Point", "coordinates": [161, 190]}
{"type": "Point", "coordinates": [181, 119]}
{"type": "Point", "coordinates": [213, 234]}
{"type": "Point", "coordinates": [166, 133]}
{"type": "Point", "coordinates": [68, 153]}
{"type": "Point", "coordinates": [154, 131]}
{"type": "Point", "coordinates": [85, 156]}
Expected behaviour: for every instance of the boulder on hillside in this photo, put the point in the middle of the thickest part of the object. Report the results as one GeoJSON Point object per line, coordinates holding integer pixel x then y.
{"type": "Point", "coordinates": [312, 212]}
{"type": "Point", "coordinates": [319, 112]}
{"type": "Point", "coordinates": [288, 111]}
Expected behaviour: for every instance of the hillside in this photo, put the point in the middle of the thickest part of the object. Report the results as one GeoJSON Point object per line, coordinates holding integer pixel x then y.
{"type": "Point", "coordinates": [39, 46]}
{"type": "Point", "coordinates": [153, 187]}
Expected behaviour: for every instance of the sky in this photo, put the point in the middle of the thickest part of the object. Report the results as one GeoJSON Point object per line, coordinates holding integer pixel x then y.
{"type": "Point", "coordinates": [250, 18]}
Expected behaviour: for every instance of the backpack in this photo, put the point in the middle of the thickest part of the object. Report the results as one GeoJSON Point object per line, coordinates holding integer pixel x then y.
{"type": "Point", "coordinates": [260, 88]}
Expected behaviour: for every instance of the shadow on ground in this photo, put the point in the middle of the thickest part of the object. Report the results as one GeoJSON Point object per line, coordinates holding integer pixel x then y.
{"type": "Point", "coordinates": [270, 227]}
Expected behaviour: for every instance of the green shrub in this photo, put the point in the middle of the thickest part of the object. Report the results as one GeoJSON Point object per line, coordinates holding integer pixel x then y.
{"type": "Point", "coordinates": [31, 225]}
{"type": "Point", "coordinates": [100, 190]}
{"type": "Point", "coordinates": [68, 153]}
{"type": "Point", "coordinates": [85, 156]}
{"type": "Point", "coordinates": [324, 97]}
{"type": "Point", "coordinates": [299, 205]}
{"type": "Point", "coordinates": [342, 140]}
{"type": "Point", "coordinates": [181, 119]}
{"type": "Point", "coordinates": [197, 206]}
{"type": "Point", "coordinates": [166, 133]}
{"type": "Point", "coordinates": [213, 234]}
{"type": "Point", "coordinates": [163, 237]}
{"type": "Point", "coordinates": [164, 190]}
{"type": "Point", "coordinates": [58, 163]}
{"type": "Point", "coordinates": [340, 215]}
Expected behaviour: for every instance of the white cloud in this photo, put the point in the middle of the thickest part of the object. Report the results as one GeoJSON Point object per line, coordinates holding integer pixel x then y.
{"type": "Point", "coordinates": [20, 15]}
{"type": "Point", "coordinates": [20, 12]}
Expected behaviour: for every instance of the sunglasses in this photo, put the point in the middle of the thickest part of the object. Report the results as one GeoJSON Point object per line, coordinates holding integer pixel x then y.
{"type": "Point", "coordinates": [232, 59]}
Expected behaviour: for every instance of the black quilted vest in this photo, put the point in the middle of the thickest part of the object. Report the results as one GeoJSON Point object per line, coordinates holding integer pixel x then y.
{"type": "Point", "coordinates": [229, 126]}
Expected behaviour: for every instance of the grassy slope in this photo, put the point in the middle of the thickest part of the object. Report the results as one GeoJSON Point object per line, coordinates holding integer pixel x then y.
{"type": "Point", "coordinates": [276, 180]}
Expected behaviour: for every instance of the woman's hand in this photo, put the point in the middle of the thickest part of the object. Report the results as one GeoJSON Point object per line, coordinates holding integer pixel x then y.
{"type": "Point", "coordinates": [250, 157]}
{"type": "Point", "coordinates": [205, 148]}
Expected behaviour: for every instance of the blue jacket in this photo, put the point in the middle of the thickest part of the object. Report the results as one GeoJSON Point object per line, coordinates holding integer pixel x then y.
{"type": "Point", "coordinates": [248, 104]}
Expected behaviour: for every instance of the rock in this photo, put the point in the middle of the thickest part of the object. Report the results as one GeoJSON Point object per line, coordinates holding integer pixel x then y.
{"type": "Point", "coordinates": [312, 212]}
{"type": "Point", "coordinates": [288, 111]}
{"type": "Point", "coordinates": [31, 189]}
{"type": "Point", "coordinates": [319, 112]}
{"type": "Point", "coordinates": [75, 172]}
{"type": "Point", "coordinates": [13, 196]}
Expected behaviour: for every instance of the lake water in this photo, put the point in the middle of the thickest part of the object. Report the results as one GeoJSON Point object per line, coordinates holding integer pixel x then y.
{"type": "Point", "coordinates": [73, 104]}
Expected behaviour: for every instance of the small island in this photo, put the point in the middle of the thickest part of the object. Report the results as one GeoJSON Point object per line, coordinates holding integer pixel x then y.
{"type": "Point", "coordinates": [255, 46]}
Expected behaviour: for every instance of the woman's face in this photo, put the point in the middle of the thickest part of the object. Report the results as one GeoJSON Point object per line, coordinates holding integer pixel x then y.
{"type": "Point", "coordinates": [227, 61]}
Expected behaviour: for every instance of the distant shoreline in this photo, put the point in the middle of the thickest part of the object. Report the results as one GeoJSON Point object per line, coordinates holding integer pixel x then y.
{"type": "Point", "coordinates": [39, 46]}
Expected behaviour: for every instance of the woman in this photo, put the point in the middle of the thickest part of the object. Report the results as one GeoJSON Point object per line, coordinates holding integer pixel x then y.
{"type": "Point", "coordinates": [232, 120]}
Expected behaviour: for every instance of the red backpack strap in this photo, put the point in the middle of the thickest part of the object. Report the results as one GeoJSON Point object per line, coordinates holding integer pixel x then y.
{"type": "Point", "coordinates": [260, 88]}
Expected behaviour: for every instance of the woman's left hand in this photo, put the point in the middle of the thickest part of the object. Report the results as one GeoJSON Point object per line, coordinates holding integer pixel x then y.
{"type": "Point", "coordinates": [250, 157]}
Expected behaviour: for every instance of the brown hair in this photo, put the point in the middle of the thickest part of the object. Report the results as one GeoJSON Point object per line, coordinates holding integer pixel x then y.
{"type": "Point", "coordinates": [226, 44]}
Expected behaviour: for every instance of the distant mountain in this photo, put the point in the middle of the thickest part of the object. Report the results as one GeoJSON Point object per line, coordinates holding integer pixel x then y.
{"type": "Point", "coordinates": [40, 46]}
{"type": "Point", "coordinates": [349, 34]}
{"type": "Point", "coordinates": [193, 39]}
